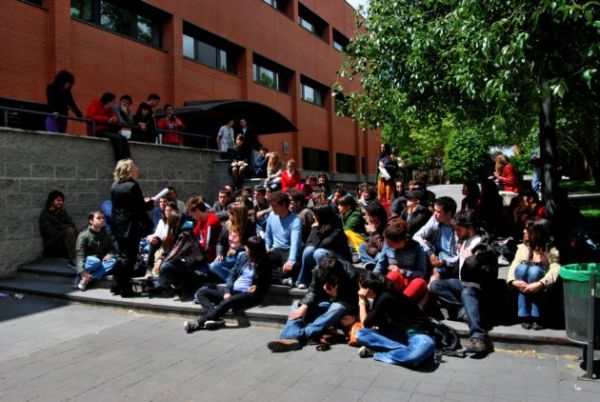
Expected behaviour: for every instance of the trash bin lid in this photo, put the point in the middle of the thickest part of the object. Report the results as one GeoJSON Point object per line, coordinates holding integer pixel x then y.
{"type": "Point", "coordinates": [579, 272]}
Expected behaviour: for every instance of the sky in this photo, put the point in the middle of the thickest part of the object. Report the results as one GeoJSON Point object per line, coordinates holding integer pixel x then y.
{"type": "Point", "coordinates": [356, 3]}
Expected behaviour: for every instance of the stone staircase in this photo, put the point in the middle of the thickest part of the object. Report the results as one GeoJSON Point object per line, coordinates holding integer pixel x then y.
{"type": "Point", "coordinates": [52, 278]}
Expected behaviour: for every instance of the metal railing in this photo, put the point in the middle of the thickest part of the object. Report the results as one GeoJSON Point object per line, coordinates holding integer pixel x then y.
{"type": "Point", "coordinates": [11, 113]}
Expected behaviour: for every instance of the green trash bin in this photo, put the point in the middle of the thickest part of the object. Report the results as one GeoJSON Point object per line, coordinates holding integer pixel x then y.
{"type": "Point", "coordinates": [576, 283]}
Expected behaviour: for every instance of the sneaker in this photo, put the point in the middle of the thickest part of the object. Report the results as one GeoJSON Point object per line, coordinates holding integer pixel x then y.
{"type": "Point", "coordinates": [526, 325]}
{"type": "Point", "coordinates": [536, 326]}
{"type": "Point", "coordinates": [502, 261]}
{"type": "Point", "coordinates": [84, 282]}
{"type": "Point", "coordinates": [214, 324]}
{"type": "Point", "coordinates": [476, 346]}
{"type": "Point", "coordinates": [365, 352]}
{"type": "Point", "coordinates": [302, 286]}
{"type": "Point", "coordinates": [283, 345]}
{"type": "Point", "coordinates": [287, 282]}
{"type": "Point", "coordinates": [192, 325]}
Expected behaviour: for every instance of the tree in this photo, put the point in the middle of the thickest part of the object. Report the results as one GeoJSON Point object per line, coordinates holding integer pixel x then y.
{"type": "Point", "coordinates": [497, 65]}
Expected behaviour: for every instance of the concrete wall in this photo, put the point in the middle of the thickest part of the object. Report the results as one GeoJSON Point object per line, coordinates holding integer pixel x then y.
{"type": "Point", "coordinates": [35, 163]}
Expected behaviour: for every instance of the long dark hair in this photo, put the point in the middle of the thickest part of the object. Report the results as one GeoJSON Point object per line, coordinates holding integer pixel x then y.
{"type": "Point", "coordinates": [52, 195]}
{"type": "Point", "coordinates": [63, 77]}
{"type": "Point", "coordinates": [376, 283]}
{"type": "Point", "coordinates": [141, 107]}
{"type": "Point", "coordinates": [327, 218]}
{"type": "Point", "coordinates": [539, 235]}
{"type": "Point", "coordinates": [257, 251]}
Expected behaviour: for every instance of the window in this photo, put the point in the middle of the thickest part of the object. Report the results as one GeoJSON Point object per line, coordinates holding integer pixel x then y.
{"type": "Point", "coordinates": [270, 74]}
{"type": "Point", "coordinates": [135, 19]}
{"type": "Point", "coordinates": [339, 41]}
{"type": "Point", "coordinates": [315, 159]}
{"type": "Point", "coordinates": [345, 163]}
{"type": "Point", "coordinates": [282, 6]}
{"type": "Point", "coordinates": [209, 49]}
{"type": "Point", "coordinates": [312, 91]}
{"type": "Point", "coordinates": [312, 22]}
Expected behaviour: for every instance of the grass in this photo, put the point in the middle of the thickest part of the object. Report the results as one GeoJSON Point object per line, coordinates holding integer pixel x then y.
{"type": "Point", "coordinates": [578, 186]}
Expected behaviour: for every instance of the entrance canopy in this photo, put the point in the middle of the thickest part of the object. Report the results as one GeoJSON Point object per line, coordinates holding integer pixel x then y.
{"type": "Point", "coordinates": [205, 117]}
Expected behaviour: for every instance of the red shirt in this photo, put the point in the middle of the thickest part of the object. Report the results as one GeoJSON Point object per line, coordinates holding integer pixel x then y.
{"type": "Point", "coordinates": [293, 181]}
{"type": "Point", "coordinates": [171, 125]}
{"type": "Point", "coordinates": [508, 179]}
{"type": "Point", "coordinates": [100, 114]}
{"type": "Point", "coordinates": [208, 232]}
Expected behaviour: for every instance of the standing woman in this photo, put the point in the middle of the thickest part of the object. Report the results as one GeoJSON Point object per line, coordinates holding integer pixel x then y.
{"type": "Point", "coordinates": [60, 100]}
{"type": "Point", "coordinates": [130, 221]}
{"type": "Point", "coordinates": [386, 172]}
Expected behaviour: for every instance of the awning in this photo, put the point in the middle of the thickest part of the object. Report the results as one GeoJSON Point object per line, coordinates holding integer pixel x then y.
{"type": "Point", "coordinates": [205, 117]}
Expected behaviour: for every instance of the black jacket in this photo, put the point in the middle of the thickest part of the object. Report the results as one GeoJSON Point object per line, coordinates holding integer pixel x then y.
{"type": "Point", "coordinates": [347, 288]}
{"type": "Point", "coordinates": [54, 222]}
{"type": "Point", "coordinates": [60, 100]}
{"type": "Point", "coordinates": [333, 240]}
{"type": "Point", "coordinates": [481, 267]}
{"type": "Point", "coordinates": [417, 219]}
{"type": "Point", "coordinates": [129, 216]}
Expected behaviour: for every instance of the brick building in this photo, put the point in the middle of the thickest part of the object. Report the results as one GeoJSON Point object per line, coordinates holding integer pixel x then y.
{"type": "Point", "coordinates": [281, 53]}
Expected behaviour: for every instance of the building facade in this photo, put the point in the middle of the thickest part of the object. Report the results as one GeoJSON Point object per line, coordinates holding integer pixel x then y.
{"type": "Point", "coordinates": [282, 53]}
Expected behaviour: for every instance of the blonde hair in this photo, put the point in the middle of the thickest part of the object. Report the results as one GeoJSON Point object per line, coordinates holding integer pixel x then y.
{"type": "Point", "coordinates": [123, 170]}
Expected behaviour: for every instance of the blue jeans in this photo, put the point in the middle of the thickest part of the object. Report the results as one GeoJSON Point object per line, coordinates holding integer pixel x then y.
{"type": "Point", "coordinates": [97, 267]}
{"type": "Point", "coordinates": [318, 318]}
{"type": "Point", "coordinates": [528, 303]}
{"type": "Point", "coordinates": [452, 292]}
{"type": "Point", "coordinates": [395, 348]}
{"type": "Point", "coordinates": [222, 268]}
{"type": "Point", "coordinates": [310, 258]}
{"type": "Point", "coordinates": [365, 257]}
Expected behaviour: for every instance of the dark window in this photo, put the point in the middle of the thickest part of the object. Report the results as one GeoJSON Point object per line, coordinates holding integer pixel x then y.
{"type": "Point", "coordinates": [339, 41]}
{"type": "Point", "coordinates": [36, 2]}
{"type": "Point", "coordinates": [315, 159]}
{"type": "Point", "coordinates": [135, 19]}
{"type": "Point", "coordinates": [210, 49]}
{"type": "Point", "coordinates": [345, 163]}
{"type": "Point", "coordinates": [280, 5]}
{"type": "Point", "coordinates": [270, 74]}
{"type": "Point", "coordinates": [312, 22]}
{"type": "Point", "coordinates": [363, 165]}
{"type": "Point", "coordinates": [312, 91]}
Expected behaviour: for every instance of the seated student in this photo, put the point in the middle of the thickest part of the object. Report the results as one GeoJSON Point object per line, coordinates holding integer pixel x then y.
{"type": "Point", "coordinates": [472, 199]}
{"type": "Point", "coordinates": [299, 207]}
{"type": "Point", "coordinates": [323, 183]}
{"type": "Point", "coordinates": [377, 218]}
{"type": "Point", "coordinates": [156, 239]}
{"type": "Point", "coordinates": [415, 214]}
{"type": "Point", "coordinates": [172, 197]}
{"type": "Point", "coordinates": [262, 209]}
{"type": "Point", "coordinates": [57, 227]}
{"type": "Point", "coordinates": [260, 163]}
{"type": "Point", "coordinates": [144, 125]}
{"type": "Point", "coordinates": [353, 222]}
{"type": "Point", "coordinates": [123, 111]}
{"type": "Point", "coordinates": [477, 271]}
{"type": "Point", "coordinates": [438, 239]}
{"type": "Point", "coordinates": [159, 211]}
{"type": "Point", "coordinates": [274, 169]}
{"type": "Point", "coordinates": [234, 235]}
{"type": "Point", "coordinates": [326, 238]}
{"type": "Point", "coordinates": [528, 208]}
{"type": "Point", "coordinates": [290, 177]}
{"type": "Point", "coordinates": [239, 164]}
{"type": "Point", "coordinates": [331, 296]}
{"type": "Point", "coordinates": [96, 251]}
{"type": "Point", "coordinates": [182, 265]}
{"type": "Point", "coordinates": [208, 226]}
{"type": "Point", "coordinates": [169, 125]}
{"type": "Point", "coordinates": [534, 269]}
{"type": "Point", "coordinates": [220, 206]}
{"type": "Point", "coordinates": [246, 285]}
{"type": "Point", "coordinates": [283, 239]}
{"type": "Point", "coordinates": [366, 195]}
{"type": "Point", "coordinates": [387, 334]}
{"type": "Point", "coordinates": [101, 111]}
{"type": "Point", "coordinates": [403, 261]}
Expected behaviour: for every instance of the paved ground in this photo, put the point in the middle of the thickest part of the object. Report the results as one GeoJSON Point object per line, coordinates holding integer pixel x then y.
{"type": "Point", "coordinates": [52, 351]}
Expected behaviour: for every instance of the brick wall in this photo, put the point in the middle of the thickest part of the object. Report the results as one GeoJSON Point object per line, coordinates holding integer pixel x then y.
{"type": "Point", "coordinates": [34, 163]}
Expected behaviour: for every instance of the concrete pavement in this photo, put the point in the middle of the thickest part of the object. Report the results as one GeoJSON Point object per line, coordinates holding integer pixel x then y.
{"type": "Point", "coordinates": [54, 351]}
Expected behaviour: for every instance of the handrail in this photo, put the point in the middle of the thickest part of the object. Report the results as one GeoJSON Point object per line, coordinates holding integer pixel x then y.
{"type": "Point", "coordinates": [6, 110]}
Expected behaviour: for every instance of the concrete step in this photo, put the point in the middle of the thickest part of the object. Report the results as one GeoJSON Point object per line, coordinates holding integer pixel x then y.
{"type": "Point", "coordinates": [264, 315]}
{"type": "Point", "coordinates": [57, 271]}
{"type": "Point", "coordinates": [100, 296]}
